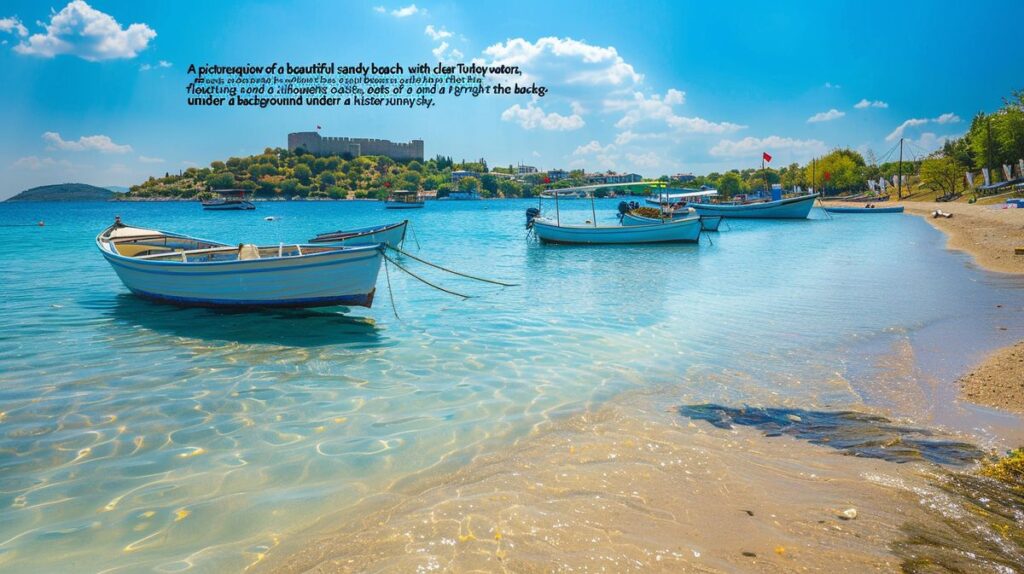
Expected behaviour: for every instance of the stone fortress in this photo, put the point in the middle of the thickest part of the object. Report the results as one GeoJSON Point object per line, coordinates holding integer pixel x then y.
{"type": "Point", "coordinates": [313, 143]}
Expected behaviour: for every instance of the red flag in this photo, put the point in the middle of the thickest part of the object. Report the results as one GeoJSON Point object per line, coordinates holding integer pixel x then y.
{"type": "Point", "coordinates": [547, 180]}
{"type": "Point", "coordinates": [387, 184]}
{"type": "Point", "coordinates": [766, 157]}
{"type": "Point", "coordinates": [828, 176]}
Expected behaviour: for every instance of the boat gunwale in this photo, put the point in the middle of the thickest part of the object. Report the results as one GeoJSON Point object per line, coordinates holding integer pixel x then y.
{"type": "Point", "coordinates": [755, 206]}
{"type": "Point", "coordinates": [105, 245]}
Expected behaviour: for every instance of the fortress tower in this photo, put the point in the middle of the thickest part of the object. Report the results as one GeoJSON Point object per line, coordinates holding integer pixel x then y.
{"type": "Point", "coordinates": [313, 143]}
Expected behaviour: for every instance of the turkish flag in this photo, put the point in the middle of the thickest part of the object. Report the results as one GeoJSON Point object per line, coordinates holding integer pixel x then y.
{"type": "Point", "coordinates": [766, 157]}
{"type": "Point", "coordinates": [547, 180]}
{"type": "Point", "coordinates": [828, 176]}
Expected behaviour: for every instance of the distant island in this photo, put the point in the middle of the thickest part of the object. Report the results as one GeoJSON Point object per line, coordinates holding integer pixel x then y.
{"type": "Point", "coordinates": [65, 192]}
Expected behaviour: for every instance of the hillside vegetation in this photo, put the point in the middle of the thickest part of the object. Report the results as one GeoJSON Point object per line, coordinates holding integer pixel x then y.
{"type": "Point", "coordinates": [65, 192]}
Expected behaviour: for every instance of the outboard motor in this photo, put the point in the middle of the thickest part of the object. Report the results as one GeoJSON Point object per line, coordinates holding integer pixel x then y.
{"type": "Point", "coordinates": [623, 209]}
{"type": "Point", "coordinates": [531, 214]}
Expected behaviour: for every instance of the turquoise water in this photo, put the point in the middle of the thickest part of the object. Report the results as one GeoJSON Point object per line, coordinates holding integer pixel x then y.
{"type": "Point", "coordinates": [141, 437]}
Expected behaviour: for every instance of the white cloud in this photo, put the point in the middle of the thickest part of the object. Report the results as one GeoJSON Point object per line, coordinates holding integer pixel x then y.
{"type": "Point", "coordinates": [947, 118]}
{"type": "Point", "coordinates": [832, 86]}
{"type": "Point", "coordinates": [453, 55]}
{"type": "Point", "coordinates": [14, 26]}
{"type": "Point", "coordinates": [594, 147]}
{"type": "Point", "coordinates": [930, 142]}
{"type": "Point", "coordinates": [642, 108]}
{"type": "Point", "coordinates": [565, 59]}
{"type": "Point", "coordinates": [160, 64]}
{"type": "Point", "coordinates": [828, 116]}
{"type": "Point", "coordinates": [145, 159]}
{"type": "Point", "coordinates": [405, 12]}
{"type": "Point", "coordinates": [437, 33]}
{"type": "Point", "coordinates": [380, 9]}
{"type": "Point", "coordinates": [99, 143]}
{"type": "Point", "coordinates": [439, 50]}
{"type": "Point", "coordinates": [80, 30]}
{"type": "Point", "coordinates": [865, 103]}
{"type": "Point", "coordinates": [753, 147]}
{"type": "Point", "coordinates": [35, 163]}
{"type": "Point", "coordinates": [649, 160]}
{"type": "Point", "coordinates": [532, 116]}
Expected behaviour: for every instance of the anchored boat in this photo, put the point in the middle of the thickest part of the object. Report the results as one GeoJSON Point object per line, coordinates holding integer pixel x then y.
{"type": "Point", "coordinates": [402, 199]}
{"type": "Point", "coordinates": [789, 208]}
{"type": "Point", "coordinates": [229, 200]}
{"type": "Point", "coordinates": [554, 231]}
{"type": "Point", "coordinates": [392, 234]}
{"type": "Point", "coordinates": [679, 230]}
{"type": "Point", "coordinates": [183, 270]}
{"type": "Point", "coordinates": [865, 209]}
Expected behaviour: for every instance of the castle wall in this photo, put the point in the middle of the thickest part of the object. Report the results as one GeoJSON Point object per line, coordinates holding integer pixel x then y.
{"type": "Point", "coordinates": [315, 144]}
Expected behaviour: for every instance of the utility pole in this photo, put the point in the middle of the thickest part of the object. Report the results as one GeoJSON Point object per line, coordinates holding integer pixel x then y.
{"type": "Point", "coordinates": [899, 177]}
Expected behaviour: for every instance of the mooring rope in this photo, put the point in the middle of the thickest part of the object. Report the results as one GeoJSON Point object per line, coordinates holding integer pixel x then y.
{"type": "Point", "coordinates": [414, 238]}
{"type": "Point", "coordinates": [452, 271]}
{"type": "Point", "coordinates": [391, 295]}
{"type": "Point", "coordinates": [439, 288]}
{"type": "Point", "coordinates": [821, 204]}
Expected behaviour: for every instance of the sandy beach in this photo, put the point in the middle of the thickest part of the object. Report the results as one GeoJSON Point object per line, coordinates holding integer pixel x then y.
{"type": "Point", "coordinates": [990, 235]}
{"type": "Point", "coordinates": [628, 489]}
{"type": "Point", "coordinates": [987, 233]}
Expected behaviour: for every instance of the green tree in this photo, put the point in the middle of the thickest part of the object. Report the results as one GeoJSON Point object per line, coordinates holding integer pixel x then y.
{"type": "Point", "coordinates": [302, 173]}
{"type": "Point", "coordinates": [221, 181]}
{"type": "Point", "coordinates": [942, 174]}
{"type": "Point", "coordinates": [469, 184]}
{"type": "Point", "coordinates": [730, 184]}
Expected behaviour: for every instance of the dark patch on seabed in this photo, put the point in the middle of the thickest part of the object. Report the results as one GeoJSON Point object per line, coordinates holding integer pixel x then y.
{"type": "Point", "coordinates": [977, 521]}
{"type": "Point", "coordinates": [853, 433]}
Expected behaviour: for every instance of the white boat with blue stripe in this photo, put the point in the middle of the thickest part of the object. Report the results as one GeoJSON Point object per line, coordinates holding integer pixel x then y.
{"type": "Point", "coordinates": [183, 270]}
{"type": "Point", "coordinates": [392, 234]}
{"type": "Point", "coordinates": [789, 208]}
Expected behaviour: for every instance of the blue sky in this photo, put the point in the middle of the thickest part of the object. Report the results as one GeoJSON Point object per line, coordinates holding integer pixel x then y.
{"type": "Point", "coordinates": [94, 92]}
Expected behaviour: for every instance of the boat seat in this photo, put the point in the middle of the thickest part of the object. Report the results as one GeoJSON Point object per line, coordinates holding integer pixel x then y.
{"type": "Point", "coordinates": [248, 251]}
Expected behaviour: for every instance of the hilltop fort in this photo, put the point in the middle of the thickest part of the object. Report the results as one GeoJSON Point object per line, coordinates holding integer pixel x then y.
{"type": "Point", "coordinates": [313, 143]}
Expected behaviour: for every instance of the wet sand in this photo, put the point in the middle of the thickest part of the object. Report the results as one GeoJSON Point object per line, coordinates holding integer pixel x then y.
{"type": "Point", "coordinates": [998, 381]}
{"type": "Point", "coordinates": [630, 489]}
{"type": "Point", "coordinates": [989, 235]}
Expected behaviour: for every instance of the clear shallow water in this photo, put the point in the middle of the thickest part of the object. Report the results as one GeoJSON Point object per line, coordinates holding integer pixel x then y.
{"type": "Point", "coordinates": [142, 437]}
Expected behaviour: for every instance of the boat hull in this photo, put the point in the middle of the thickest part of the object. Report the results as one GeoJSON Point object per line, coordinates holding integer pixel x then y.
{"type": "Point", "coordinates": [392, 235]}
{"type": "Point", "coordinates": [792, 208]}
{"type": "Point", "coordinates": [707, 222]}
{"type": "Point", "coordinates": [403, 204]}
{"type": "Point", "coordinates": [897, 209]}
{"type": "Point", "coordinates": [239, 206]}
{"type": "Point", "coordinates": [682, 230]}
{"type": "Point", "coordinates": [342, 277]}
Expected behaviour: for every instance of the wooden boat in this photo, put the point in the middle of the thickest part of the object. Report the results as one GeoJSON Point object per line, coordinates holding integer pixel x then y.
{"type": "Point", "coordinates": [230, 200]}
{"type": "Point", "coordinates": [865, 209]}
{"type": "Point", "coordinates": [402, 199]}
{"type": "Point", "coordinates": [707, 222]}
{"type": "Point", "coordinates": [183, 270]}
{"type": "Point", "coordinates": [790, 208]}
{"type": "Point", "coordinates": [679, 230]}
{"type": "Point", "coordinates": [392, 235]}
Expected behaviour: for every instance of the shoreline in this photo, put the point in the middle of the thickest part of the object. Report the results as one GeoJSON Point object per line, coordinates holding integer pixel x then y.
{"type": "Point", "coordinates": [990, 237]}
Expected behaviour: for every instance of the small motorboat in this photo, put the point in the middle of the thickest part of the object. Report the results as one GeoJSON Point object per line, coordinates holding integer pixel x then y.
{"type": "Point", "coordinates": [174, 268]}
{"type": "Point", "coordinates": [403, 199]}
{"type": "Point", "coordinates": [869, 208]}
{"type": "Point", "coordinates": [392, 234]}
{"type": "Point", "coordinates": [229, 200]}
{"type": "Point", "coordinates": [789, 208]}
{"type": "Point", "coordinates": [632, 214]}
{"type": "Point", "coordinates": [552, 231]}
